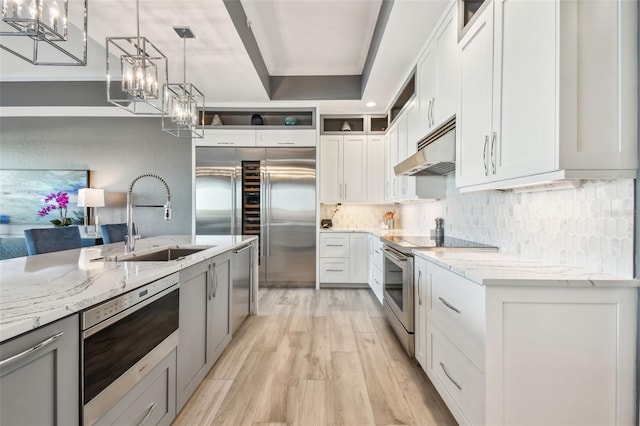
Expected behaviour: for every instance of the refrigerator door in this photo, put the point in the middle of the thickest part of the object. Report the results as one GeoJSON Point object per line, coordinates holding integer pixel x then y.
{"type": "Point", "coordinates": [215, 191]}
{"type": "Point", "coordinates": [290, 195]}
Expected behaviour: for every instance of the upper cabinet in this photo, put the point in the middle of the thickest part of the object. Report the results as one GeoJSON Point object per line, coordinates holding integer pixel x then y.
{"type": "Point", "coordinates": [548, 90]}
{"type": "Point", "coordinates": [343, 169]}
{"type": "Point", "coordinates": [437, 75]}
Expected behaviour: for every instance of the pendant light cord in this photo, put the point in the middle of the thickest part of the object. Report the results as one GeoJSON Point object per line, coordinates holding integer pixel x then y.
{"type": "Point", "coordinates": [138, 25]}
{"type": "Point", "coordinates": [184, 60]}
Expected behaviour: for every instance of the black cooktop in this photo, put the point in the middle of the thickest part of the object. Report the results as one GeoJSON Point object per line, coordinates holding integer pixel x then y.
{"type": "Point", "coordinates": [408, 243]}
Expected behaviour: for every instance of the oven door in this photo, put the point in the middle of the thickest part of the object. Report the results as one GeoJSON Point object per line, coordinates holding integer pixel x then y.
{"type": "Point", "coordinates": [398, 286]}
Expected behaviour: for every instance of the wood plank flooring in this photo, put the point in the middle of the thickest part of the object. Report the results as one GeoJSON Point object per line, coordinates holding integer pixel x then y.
{"type": "Point", "coordinates": [315, 357]}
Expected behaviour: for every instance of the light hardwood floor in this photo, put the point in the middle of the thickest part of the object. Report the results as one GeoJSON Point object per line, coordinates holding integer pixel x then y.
{"type": "Point", "coordinates": [315, 357]}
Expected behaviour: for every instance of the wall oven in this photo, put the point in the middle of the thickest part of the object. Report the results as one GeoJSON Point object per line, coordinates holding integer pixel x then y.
{"type": "Point", "coordinates": [123, 339]}
{"type": "Point", "coordinates": [398, 295]}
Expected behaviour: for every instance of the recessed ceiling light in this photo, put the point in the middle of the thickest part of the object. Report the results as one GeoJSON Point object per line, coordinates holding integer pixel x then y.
{"type": "Point", "coordinates": [371, 104]}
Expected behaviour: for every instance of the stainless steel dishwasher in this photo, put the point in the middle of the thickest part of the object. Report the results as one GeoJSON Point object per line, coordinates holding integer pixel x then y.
{"type": "Point", "coordinates": [242, 264]}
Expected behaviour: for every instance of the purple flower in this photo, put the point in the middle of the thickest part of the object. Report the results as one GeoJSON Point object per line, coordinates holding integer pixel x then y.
{"type": "Point", "coordinates": [62, 200]}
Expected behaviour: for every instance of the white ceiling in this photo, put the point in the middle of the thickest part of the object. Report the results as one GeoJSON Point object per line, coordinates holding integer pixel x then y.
{"type": "Point", "coordinates": [296, 37]}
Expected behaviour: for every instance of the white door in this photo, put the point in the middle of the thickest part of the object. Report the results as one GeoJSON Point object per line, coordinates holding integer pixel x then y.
{"type": "Point", "coordinates": [473, 132]}
{"type": "Point", "coordinates": [447, 68]}
{"type": "Point", "coordinates": [420, 326]}
{"type": "Point", "coordinates": [375, 169]}
{"type": "Point", "coordinates": [354, 186]}
{"type": "Point", "coordinates": [426, 88]}
{"type": "Point", "coordinates": [330, 169]}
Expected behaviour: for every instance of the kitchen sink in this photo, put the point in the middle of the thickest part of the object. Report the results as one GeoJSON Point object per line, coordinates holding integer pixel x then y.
{"type": "Point", "coordinates": [164, 255]}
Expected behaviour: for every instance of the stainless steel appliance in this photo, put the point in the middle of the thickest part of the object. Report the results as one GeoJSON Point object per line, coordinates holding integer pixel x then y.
{"type": "Point", "coordinates": [242, 264]}
{"type": "Point", "coordinates": [436, 154]}
{"type": "Point", "coordinates": [122, 340]}
{"type": "Point", "coordinates": [270, 192]}
{"type": "Point", "coordinates": [398, 282]}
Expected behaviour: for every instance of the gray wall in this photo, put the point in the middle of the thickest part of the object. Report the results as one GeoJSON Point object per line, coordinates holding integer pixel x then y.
{"type": "Point", "coordinates": [115, 150]}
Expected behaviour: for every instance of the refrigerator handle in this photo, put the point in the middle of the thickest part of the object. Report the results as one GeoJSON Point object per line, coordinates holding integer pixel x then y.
{"type": "Point", "coordinates": [233, 202]}
{"type": "Point", "coordinates": [263, 216]}
{"type": "Point", "coordinates": [268, 215]}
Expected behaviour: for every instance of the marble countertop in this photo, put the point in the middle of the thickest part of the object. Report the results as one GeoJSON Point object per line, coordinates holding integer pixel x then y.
{"type": "Point", "coordinates": [41, 289]}
{"type": "Point", "coordinates": [499, 269]}
{"type": "Point", "coordinates": [377, 231]}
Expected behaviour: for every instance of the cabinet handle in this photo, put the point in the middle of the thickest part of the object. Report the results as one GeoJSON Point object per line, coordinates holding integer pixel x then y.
{"type": "Point", "coordinates": [493, 157]}
{"type": "Point", "coordinates": [335, 270]}
{"type": "Point", "coordinates": [149, 410]}
{"type": "Point", "coordinates": [446, 373]}
{"type": "Point", "coordinates": [433, 107]}
{"type": "Point", "coordinates": [345, 191]}
{"type": "Point", "coordinates": [419, 292]}
{"type": "Point", "coordinates": [286, 143]}
{"type": "Point", "coordinates": [449, 305]}
{"type": "Point", "coordinates": [209, 272]}
{"type": "Point", "coordinates": [226, 143]}
{"type": "Point", "coordinates": [31, 350]}
{"type": "Point", "coordinates": [215, 280]}
{"type": "Point", "coordinates": [429, 114]}
{"type": "Point", "coordinates": [484, 156]}
{"type": "Point", "coordinates": [376, 281]}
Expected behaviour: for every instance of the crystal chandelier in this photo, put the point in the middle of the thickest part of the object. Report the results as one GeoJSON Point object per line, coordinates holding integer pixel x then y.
{"type": "Point", "coordinates": [136, 70]}
{"type": "Point", "coordinates": [183, 101]}
{"type": "Point", "coordinates": [44, 32]}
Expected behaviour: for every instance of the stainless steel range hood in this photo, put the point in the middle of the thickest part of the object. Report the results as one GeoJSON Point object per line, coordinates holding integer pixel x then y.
{"type": "Point", "coordinates": [436, 154]}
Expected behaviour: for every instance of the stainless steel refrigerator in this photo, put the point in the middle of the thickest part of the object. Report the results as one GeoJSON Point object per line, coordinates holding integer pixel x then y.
{"type": "Point", "coordinates": [270, 192]}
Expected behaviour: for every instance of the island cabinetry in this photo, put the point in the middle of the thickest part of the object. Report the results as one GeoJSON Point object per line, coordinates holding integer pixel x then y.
{"type": "Point", "coordinates": [375, 266]}
{"type": "Point", "coordinates": [39, 376]}
{"type": "Point", "coordinates": [527, 354]}
{"type": "Point", "coordinates": [538, 106]}
{"type": "Point", "coordinates": [205, 326]}
{"type": "Point", "coordinates": [151, 402]}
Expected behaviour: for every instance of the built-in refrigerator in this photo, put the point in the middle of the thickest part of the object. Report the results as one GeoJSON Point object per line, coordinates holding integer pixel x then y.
{"type": "Point", "coordinates": [269, 192]}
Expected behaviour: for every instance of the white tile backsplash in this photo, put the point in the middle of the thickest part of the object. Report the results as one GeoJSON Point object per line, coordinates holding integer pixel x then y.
{"type": "Point", "coordinates": [590, 226]}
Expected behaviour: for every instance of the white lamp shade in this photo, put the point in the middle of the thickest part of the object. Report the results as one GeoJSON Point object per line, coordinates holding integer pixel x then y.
{"type": "Point", "coordinates": [91, 197]}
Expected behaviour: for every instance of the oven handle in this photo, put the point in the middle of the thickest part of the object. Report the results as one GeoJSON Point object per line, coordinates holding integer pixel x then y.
{"type": "Point", "coordinates": [32, 349]}
{"type": "Point", "coordinates": [106, 323]}
{"type": "Point", "coordinates": [395, 255]}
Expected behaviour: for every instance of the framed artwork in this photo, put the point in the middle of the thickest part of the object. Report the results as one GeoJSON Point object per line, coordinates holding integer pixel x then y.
{"type": "Point", "coordinates": [22, 194]}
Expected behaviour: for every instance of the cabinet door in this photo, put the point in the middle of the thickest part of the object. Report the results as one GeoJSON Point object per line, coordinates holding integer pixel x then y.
{"type": "Point", "coordinates": [523, 140]}
{"type": "Point", "coordinates": [42, 386]}
{"type": "Point", "coordinates": [426, 88]}
{"type": "Point", "coordinates": [447, 68]}
{"type": "Point", "coordinates": [334, 244]}
{"type": "Point", "coordinates": [413, 136]}
{"type": "Point", "coordinates": [286, 138]}
{"type": "Point", "coordinates": [194, 360]}
{"type": "Point", "coordinates": [226, 137]}
{"type": "Point", "coordinates": [393, 180]}
{"type": "Point", "coordinates": [330, 169]}
{"type": "Point", "coordinates": [420, 326]}
{"type": "Point", "coordinates": [388, 168]}
{"type": "Point", "coordinates": [219, 318]}
{"type": "Point", "coordinates": [375, 169]}
{"type": "Point", "coordinates": [473, 132]}
{"type": "Point", "coordinates": [358, 258]}
{"type": "Point", "coordinates": [354, 163]}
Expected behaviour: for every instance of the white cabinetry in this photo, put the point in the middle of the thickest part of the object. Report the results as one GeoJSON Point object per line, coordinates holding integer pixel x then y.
{"type": "Point", "coordinates": [343, 168]}
{"type": "Point", "coordinates": [509, 354]}
{"type": "Point", "coordinates": [344, 258]}
{"type": "Point", "coordinates": [284, 138]}
{"type": "Point", "coordinates": [375, 169]}
{"type": "Point", "coordinates": [546, 105]}
{"type": "Point", "coordinates": [375, 266]}
{"type": "Point", "coordinates": [437, 75]}
{"type": "Point", "coordinates": [228, 137]}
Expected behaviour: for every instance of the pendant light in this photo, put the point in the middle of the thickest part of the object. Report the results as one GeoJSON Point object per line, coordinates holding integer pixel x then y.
{"type": "Point", "coordinates": [183, 101]}
{"type": "Point", "coordinates": [136, 70]}
{"type": "Point", "coordinates": [38, 31]}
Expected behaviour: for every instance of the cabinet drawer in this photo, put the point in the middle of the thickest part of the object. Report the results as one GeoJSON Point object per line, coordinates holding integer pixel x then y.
{"type": "Point", "coordinates": [334, 245]}
{"type": "Point", "coordinates": [334, 270]}
{"type": "Point", "coordinates": [286, 138]}
{"type": "Point", "coordinates": [151, 402]}
{"type": "Point", "coordinates": [228, 138]}
{"type": "Point", "coordinates": [457, 305]}
{"type": "Point", "coordinates": [376, 283]}
{"type": "Point", "coordinates": [377, 257]}
{"type": "Point", "coordinates": [463, 384]}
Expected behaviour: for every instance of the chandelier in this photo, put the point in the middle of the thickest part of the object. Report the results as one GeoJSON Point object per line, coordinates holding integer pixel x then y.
{"type": "Point", "coordinates": [136, 70]}
{"type": "Point", "coordinates": [182, 101]}
{"type": "Point", "coordinates": [42, 32]}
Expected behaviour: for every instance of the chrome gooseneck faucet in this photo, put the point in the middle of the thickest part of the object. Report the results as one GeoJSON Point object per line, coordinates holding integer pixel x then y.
{"type": "Point", "coordinates": [130, 243]}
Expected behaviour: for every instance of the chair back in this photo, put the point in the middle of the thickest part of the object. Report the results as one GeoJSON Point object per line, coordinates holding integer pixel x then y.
{"type": "Point", "coordinates": [47, 240]}
{"type": "Point", "coordinates": [114, 232]}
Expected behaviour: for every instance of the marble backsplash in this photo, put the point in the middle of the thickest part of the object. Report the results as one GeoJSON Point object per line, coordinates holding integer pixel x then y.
{"type": "Point", "coordinates": [591, 226]}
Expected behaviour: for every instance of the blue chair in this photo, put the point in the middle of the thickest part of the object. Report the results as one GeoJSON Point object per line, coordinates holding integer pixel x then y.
{"type": "Point", "coordinates": [47, 240]}
{"type": "Point", "coordinates": [114, 232]}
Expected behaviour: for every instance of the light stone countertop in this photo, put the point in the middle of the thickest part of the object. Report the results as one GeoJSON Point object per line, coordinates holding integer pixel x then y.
{"type": "Point", "coordinates": [377, 231]}
{"type": "Point", "coordinates": [499, 269]}
{"type": "Point", "coordinates": [41, 289]}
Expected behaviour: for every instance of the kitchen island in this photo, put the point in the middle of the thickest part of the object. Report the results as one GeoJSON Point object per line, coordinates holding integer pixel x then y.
{"type": "Point", "coordinates": [100, 336]}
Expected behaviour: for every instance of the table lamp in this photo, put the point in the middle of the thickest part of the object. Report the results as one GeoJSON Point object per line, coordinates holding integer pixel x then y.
{"type": "Point", "coordinates": [90, 197]}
